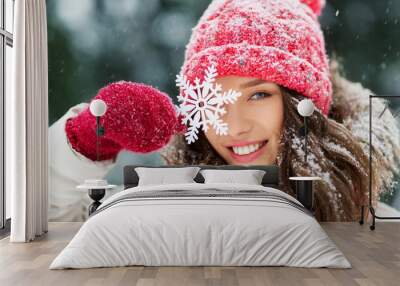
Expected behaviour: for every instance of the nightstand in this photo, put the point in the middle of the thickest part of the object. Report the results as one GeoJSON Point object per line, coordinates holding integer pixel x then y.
{"type": "Point", "coordinates": [304, 190]}
{"type": "Point", "coordinates": [96, 192]}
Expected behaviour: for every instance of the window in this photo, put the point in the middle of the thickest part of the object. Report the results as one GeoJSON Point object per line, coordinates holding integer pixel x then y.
{"type": "Point", "coordinates": [6, 44]}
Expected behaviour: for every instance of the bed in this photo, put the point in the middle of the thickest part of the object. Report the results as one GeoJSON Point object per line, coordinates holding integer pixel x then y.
{"type": "Point", "coordinates": [201, 224]}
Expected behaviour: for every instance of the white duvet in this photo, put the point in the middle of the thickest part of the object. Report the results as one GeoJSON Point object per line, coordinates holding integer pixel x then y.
{"type": "Point", "coordinates": [200, 231]}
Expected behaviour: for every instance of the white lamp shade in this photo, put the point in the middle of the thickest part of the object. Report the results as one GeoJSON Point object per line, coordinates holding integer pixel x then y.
{"type": "Point", "coordinates": [98, 107]}
{"type": "Point", "coordinates": [306, 107]}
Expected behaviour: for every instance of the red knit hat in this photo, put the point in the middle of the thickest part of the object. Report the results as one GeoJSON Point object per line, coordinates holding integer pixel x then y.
{"type": "Point", "coordinates": [274, 40]}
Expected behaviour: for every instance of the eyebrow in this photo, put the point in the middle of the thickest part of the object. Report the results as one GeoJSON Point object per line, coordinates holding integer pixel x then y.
{"type": "Point", "coordinates": [252, 83]}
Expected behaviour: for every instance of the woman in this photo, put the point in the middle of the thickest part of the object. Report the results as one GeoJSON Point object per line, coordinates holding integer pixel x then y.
{"type": "Point", "coordinates": [266, 119]}
{"type": "Point", "coordinates": [273, 53]}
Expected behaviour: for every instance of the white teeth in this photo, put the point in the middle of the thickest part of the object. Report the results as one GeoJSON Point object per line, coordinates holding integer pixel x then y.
{"type": "Point", "coordinates": [244, 150]}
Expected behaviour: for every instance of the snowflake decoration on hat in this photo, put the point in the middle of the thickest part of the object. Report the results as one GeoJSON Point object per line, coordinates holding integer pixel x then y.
{"type": "Point", "coordinates": [202, 104]}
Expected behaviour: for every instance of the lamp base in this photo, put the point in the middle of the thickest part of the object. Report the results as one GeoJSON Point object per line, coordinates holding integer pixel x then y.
{"type": "Point", "coordinates": [96, 195]}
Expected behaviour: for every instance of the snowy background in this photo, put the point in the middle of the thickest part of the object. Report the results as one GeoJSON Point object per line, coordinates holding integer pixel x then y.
{"type": "Point", "coordinates": [95, 42]}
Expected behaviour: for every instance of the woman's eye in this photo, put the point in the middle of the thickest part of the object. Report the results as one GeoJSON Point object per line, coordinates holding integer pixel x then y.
{"type": "Point", "coordinates": [259, 95]}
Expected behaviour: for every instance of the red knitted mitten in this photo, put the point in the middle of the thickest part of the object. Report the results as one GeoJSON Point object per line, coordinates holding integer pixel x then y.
{"type": "Point", "coordinates": [139, 118]}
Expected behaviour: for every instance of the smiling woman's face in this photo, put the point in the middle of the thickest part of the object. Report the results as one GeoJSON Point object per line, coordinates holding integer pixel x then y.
{"type": "Point", "coordinates": [255, 122]}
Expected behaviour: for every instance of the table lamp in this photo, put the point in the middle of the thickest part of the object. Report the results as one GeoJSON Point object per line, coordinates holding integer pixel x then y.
{"type": "Point", "coordinates": [96, 187]}
{"type": "Point", "coordinates": [304, 185]}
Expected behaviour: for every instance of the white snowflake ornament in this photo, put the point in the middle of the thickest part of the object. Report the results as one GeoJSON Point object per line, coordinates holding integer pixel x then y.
{"type": "Point", "coordinates": [202, 104]}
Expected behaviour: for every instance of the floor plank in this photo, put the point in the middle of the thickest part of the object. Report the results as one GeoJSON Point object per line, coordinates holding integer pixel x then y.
{"type": "Point", "coordinates": [374, 255]}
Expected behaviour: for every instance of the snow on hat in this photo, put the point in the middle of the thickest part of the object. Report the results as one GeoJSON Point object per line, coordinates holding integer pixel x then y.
{"type": "Point", "coordinates": [274, 40]}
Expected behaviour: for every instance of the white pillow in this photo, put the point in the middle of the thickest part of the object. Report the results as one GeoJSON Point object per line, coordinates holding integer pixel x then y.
{"type": "Point", "coordinates": [163, 176]}
{"type": "Point", "coordinates": [249, 177]}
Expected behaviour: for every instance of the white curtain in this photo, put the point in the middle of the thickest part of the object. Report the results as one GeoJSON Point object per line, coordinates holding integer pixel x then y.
{"type": "Point", "coordinates": [27, 123]}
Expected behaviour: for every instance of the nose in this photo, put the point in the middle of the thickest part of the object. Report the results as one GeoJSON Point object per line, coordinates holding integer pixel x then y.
{"type": "Point", "coordinates": [239, 124]}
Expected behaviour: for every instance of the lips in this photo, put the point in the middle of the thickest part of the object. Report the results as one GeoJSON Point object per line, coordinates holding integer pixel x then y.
{"type": "Point", "coordinates": [245, 152]}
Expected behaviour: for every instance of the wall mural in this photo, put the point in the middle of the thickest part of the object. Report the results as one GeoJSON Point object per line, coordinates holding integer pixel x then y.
{"type": "Point", "coordinates": [282, 83]}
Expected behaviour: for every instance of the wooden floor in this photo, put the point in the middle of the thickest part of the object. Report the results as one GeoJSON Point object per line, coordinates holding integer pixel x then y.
{"type": "Point", "coordinates": [375, 257]}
